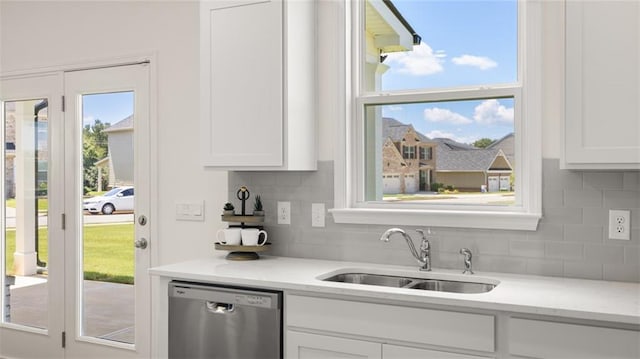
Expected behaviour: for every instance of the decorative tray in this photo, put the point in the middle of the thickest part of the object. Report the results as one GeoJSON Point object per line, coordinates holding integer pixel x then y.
{"type": "Point", "coordinates": [242, 253]}
{"type": "Point", "coordinates": [242, 219]}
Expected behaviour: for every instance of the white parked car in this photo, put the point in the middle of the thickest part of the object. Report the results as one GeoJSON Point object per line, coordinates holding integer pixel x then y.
{"type": "Point", "coordinates": [117, 199]}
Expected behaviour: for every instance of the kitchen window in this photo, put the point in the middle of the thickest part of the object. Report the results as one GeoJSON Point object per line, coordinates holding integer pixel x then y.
{"type": "Point", "coordinates": [445, 95]}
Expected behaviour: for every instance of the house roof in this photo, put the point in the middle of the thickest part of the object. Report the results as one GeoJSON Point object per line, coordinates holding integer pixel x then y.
{"type": "Point", "coordinates": [500, 142]}
{"type": "Point", "coordinates": [122, 125]}
{"type": "Point", "coordinates": [396, 130]}
{"type": "Point", "coordinates": [450, 155]}
{"type": "Point", "coordinates": [464, 159]}
{"type": "Point", "coordinates": [390, 30]}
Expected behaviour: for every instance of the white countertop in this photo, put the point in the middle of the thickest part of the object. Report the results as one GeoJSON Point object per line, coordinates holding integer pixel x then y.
{"type": "Point", "coordinates": [571, 298]}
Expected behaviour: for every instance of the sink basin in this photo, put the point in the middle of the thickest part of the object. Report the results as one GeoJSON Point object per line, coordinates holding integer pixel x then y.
{"type": "Point", "coordinates": [453, 286]}
{"type": "Point", "coordinates": [370, 279]}
{"type": "Point", "coordinates": [440, 285]}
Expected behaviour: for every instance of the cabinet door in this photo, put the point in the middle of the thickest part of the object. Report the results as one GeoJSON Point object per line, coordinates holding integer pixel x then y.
{"type": "Point", "coordinates": [400, 352]}
{"type": "Point", "coordinates": [241, 64]}
{"type": "Point", "coordinates": [602, 125]}
{"type": "Point", "coordinates": [540, 339]}
{"type": "Point", "coordinates": [314, 346]}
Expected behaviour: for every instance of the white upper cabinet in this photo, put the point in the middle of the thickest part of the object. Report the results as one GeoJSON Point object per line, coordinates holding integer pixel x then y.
{"type": "Point", "coordinates": [257, 67]}
{"type": "Point", "coordinates": [602, 125]}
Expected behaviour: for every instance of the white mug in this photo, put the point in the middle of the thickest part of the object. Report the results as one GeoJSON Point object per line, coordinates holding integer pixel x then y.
{"type": "Point", "coordinates": [230, 236]}
{"type": "Point", "coordinates": [251, 237]}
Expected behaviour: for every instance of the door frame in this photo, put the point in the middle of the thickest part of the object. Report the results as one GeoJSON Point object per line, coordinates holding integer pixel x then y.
{"type": "Point", "coordinates": [8, 332]}
{"type": "Point", "coordinates": [18, 340]}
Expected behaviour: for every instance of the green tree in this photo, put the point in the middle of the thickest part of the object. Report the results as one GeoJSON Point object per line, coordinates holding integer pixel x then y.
{"type": "Point", "coordinates": [483, 143]}
{"type": "Point", "coordinates": [94, 148]}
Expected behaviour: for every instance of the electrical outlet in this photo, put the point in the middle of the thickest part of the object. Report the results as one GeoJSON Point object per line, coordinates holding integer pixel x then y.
{"type": "Point", "coordinates": [284, 212]}
{"type": "Point", "coordinates": [317, 215]}
{"type": "Point", "coordinates": [620, 224]}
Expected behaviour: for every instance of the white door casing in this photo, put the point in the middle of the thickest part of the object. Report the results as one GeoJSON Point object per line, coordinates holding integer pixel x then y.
{"type": "Point", "coordinates": [134, 78]}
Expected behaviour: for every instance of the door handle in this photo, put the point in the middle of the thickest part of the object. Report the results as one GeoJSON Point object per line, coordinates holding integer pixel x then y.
{"type": "Point", "coordinates": [141, 243]}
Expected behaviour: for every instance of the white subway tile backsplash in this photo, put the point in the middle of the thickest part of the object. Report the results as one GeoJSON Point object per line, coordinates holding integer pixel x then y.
{"type": "Point", "coordinates": [552, 198]}
{"type": "Point", "coordinates": [583, 233]}
{"type": "Point", "coordinates": [548, 267]}
{"type": "Point", "coordinates": [632, 255]}
{"type": "Point", "coordinates": [631, 181]}
{"type": "Point", "coordinates": [599, 253]}
{"type": "Point", "coordinates": [621, 272]}
{"type": "Point", "coordinates": [530, 249]}
{"type": "Point", "coordinates": [564, 250]}
{"type": "Point", "coordinates": [562, 215]}
{"type": "Point", "coordinates": [582, 198]}
{"type": "Point", "coordinates": [621, 199]}
{"type": "Point", "coordinates": [584, 270]}
{"type": "Point", "coordinates": [602, 180]}
{"type": "Point", "coordinates": [571, 239]}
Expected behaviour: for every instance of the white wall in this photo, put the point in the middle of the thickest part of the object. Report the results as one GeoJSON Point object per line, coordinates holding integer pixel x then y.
{"type": "Point", "coordinates": [43, 34]}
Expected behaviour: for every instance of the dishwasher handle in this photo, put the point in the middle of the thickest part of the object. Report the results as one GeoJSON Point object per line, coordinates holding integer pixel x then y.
{"type": "Point", "coordinates": [220, 308]}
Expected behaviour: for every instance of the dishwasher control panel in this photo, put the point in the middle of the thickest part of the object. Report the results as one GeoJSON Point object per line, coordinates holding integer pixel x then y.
{"type": "Point", "coordinates": [253, 300]}
{"type": "Point", "coordinates": [225, 295]}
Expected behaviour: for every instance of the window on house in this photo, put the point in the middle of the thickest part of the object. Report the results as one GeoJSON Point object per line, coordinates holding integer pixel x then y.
{"type": "Point", "coordinates": [426, 153]}
{"type": "Point", "coordinates": [409, 152]}
{"type": "Point", "coordinates": [447, 76]}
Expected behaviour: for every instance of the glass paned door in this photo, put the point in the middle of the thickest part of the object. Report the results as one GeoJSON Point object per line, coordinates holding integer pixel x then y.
{"type": "Point", "coordinates": [108, 264]}
{"type": "Point", "coordinates": [107, 118]}
{"type": "Point", "coordinates": [31, 245]}
{"type": "Point", "coordinates": [25, 224]}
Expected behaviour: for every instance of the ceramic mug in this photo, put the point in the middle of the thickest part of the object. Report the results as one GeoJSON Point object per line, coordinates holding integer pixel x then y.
{"type": "Point", "coordinates": [251, 237]}
{"type": "Point", "coordinates": [230, 236]}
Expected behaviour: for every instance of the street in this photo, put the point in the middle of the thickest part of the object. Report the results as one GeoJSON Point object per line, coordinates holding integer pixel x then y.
{"type": "Point", "coordinates": [88, 218]}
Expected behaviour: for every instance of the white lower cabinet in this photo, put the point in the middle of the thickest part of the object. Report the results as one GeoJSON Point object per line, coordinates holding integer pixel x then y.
{"type": "Point", "coordinates": [401, 352]}
{"type": "Point", "coordinates": [314, 346]}
{"type": "Point", "coordinates": [544, 339]}
{"type": "Point", "coordinates": [348, 328]}
{"type": "Point", "coordinates": [324, 328]}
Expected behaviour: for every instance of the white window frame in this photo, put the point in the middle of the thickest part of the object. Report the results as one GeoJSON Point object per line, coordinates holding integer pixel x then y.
{"type": "Point", "coordinates": [350, 206]}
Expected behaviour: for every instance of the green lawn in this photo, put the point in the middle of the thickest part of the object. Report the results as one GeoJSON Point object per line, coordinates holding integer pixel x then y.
{"type": "Point", "coordinates": [108, 252]}
{"type": "Point", "coordinates": [43, 204]}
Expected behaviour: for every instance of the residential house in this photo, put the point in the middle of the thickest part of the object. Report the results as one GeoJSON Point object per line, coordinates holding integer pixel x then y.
{"type": "Point", "coordinates": [119, 160]}
{"type": "Point", "coordinates": [472, 169]}
{"type": "Point", "coordinates": [412, 161]}
{"type": "Point", "coordinates": [407, 158]}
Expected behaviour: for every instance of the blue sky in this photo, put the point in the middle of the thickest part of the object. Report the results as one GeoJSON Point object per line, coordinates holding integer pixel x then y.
{"type": "Point", "coordinates": [110, 107]}
{"type": "Point", "coordinates": [472, 42]}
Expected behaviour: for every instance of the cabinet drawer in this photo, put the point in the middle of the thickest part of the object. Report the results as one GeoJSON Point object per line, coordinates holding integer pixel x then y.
{"type": "Point", "coordinates": [397, 352]}
{"type": "Point", "coordinates": [426, 326]}
{"type": "Point", "coordinates": [540, 339]}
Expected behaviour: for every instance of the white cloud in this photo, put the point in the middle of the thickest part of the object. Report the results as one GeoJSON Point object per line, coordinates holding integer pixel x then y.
{"type": "Point", "coordinates": [449, 135]}
{"type": "Point", "coordinates": [88, 120]}
{"type": "Point", "coordinates": [491, 111]}
{"type": "Point", "coordinates": [436, 114]}
{"type": "Point", "coordinates": [481, 62]}
{"type": "Point", "coordinates": [422, 61]}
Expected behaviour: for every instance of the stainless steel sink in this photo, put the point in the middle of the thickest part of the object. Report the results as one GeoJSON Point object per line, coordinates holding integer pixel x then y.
{"type": "Point", "coordinates": [370, 279]}
{"type": "Point", "coordinates": [440, 285]}
{"type": "Point", "coordinates": [452, 286]}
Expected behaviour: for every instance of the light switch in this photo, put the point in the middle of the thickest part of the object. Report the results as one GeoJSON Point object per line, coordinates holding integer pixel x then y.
{"type": "Point", "coordinates": [190, 211]}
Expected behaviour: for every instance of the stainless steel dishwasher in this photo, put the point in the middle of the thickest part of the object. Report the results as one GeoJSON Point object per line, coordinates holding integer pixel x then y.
{"type": "Point", "coordinates": [208, 321]}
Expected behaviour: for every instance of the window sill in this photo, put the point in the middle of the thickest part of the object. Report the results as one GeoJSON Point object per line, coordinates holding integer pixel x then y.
{"type": "Point", "coordinates": [458, 219]}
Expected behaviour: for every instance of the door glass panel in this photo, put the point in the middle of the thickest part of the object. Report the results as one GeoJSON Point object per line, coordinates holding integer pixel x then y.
{"type": "Point", "coordinates": [108, 228]}
{"type": "Point", "coordinates": [26, 152]}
